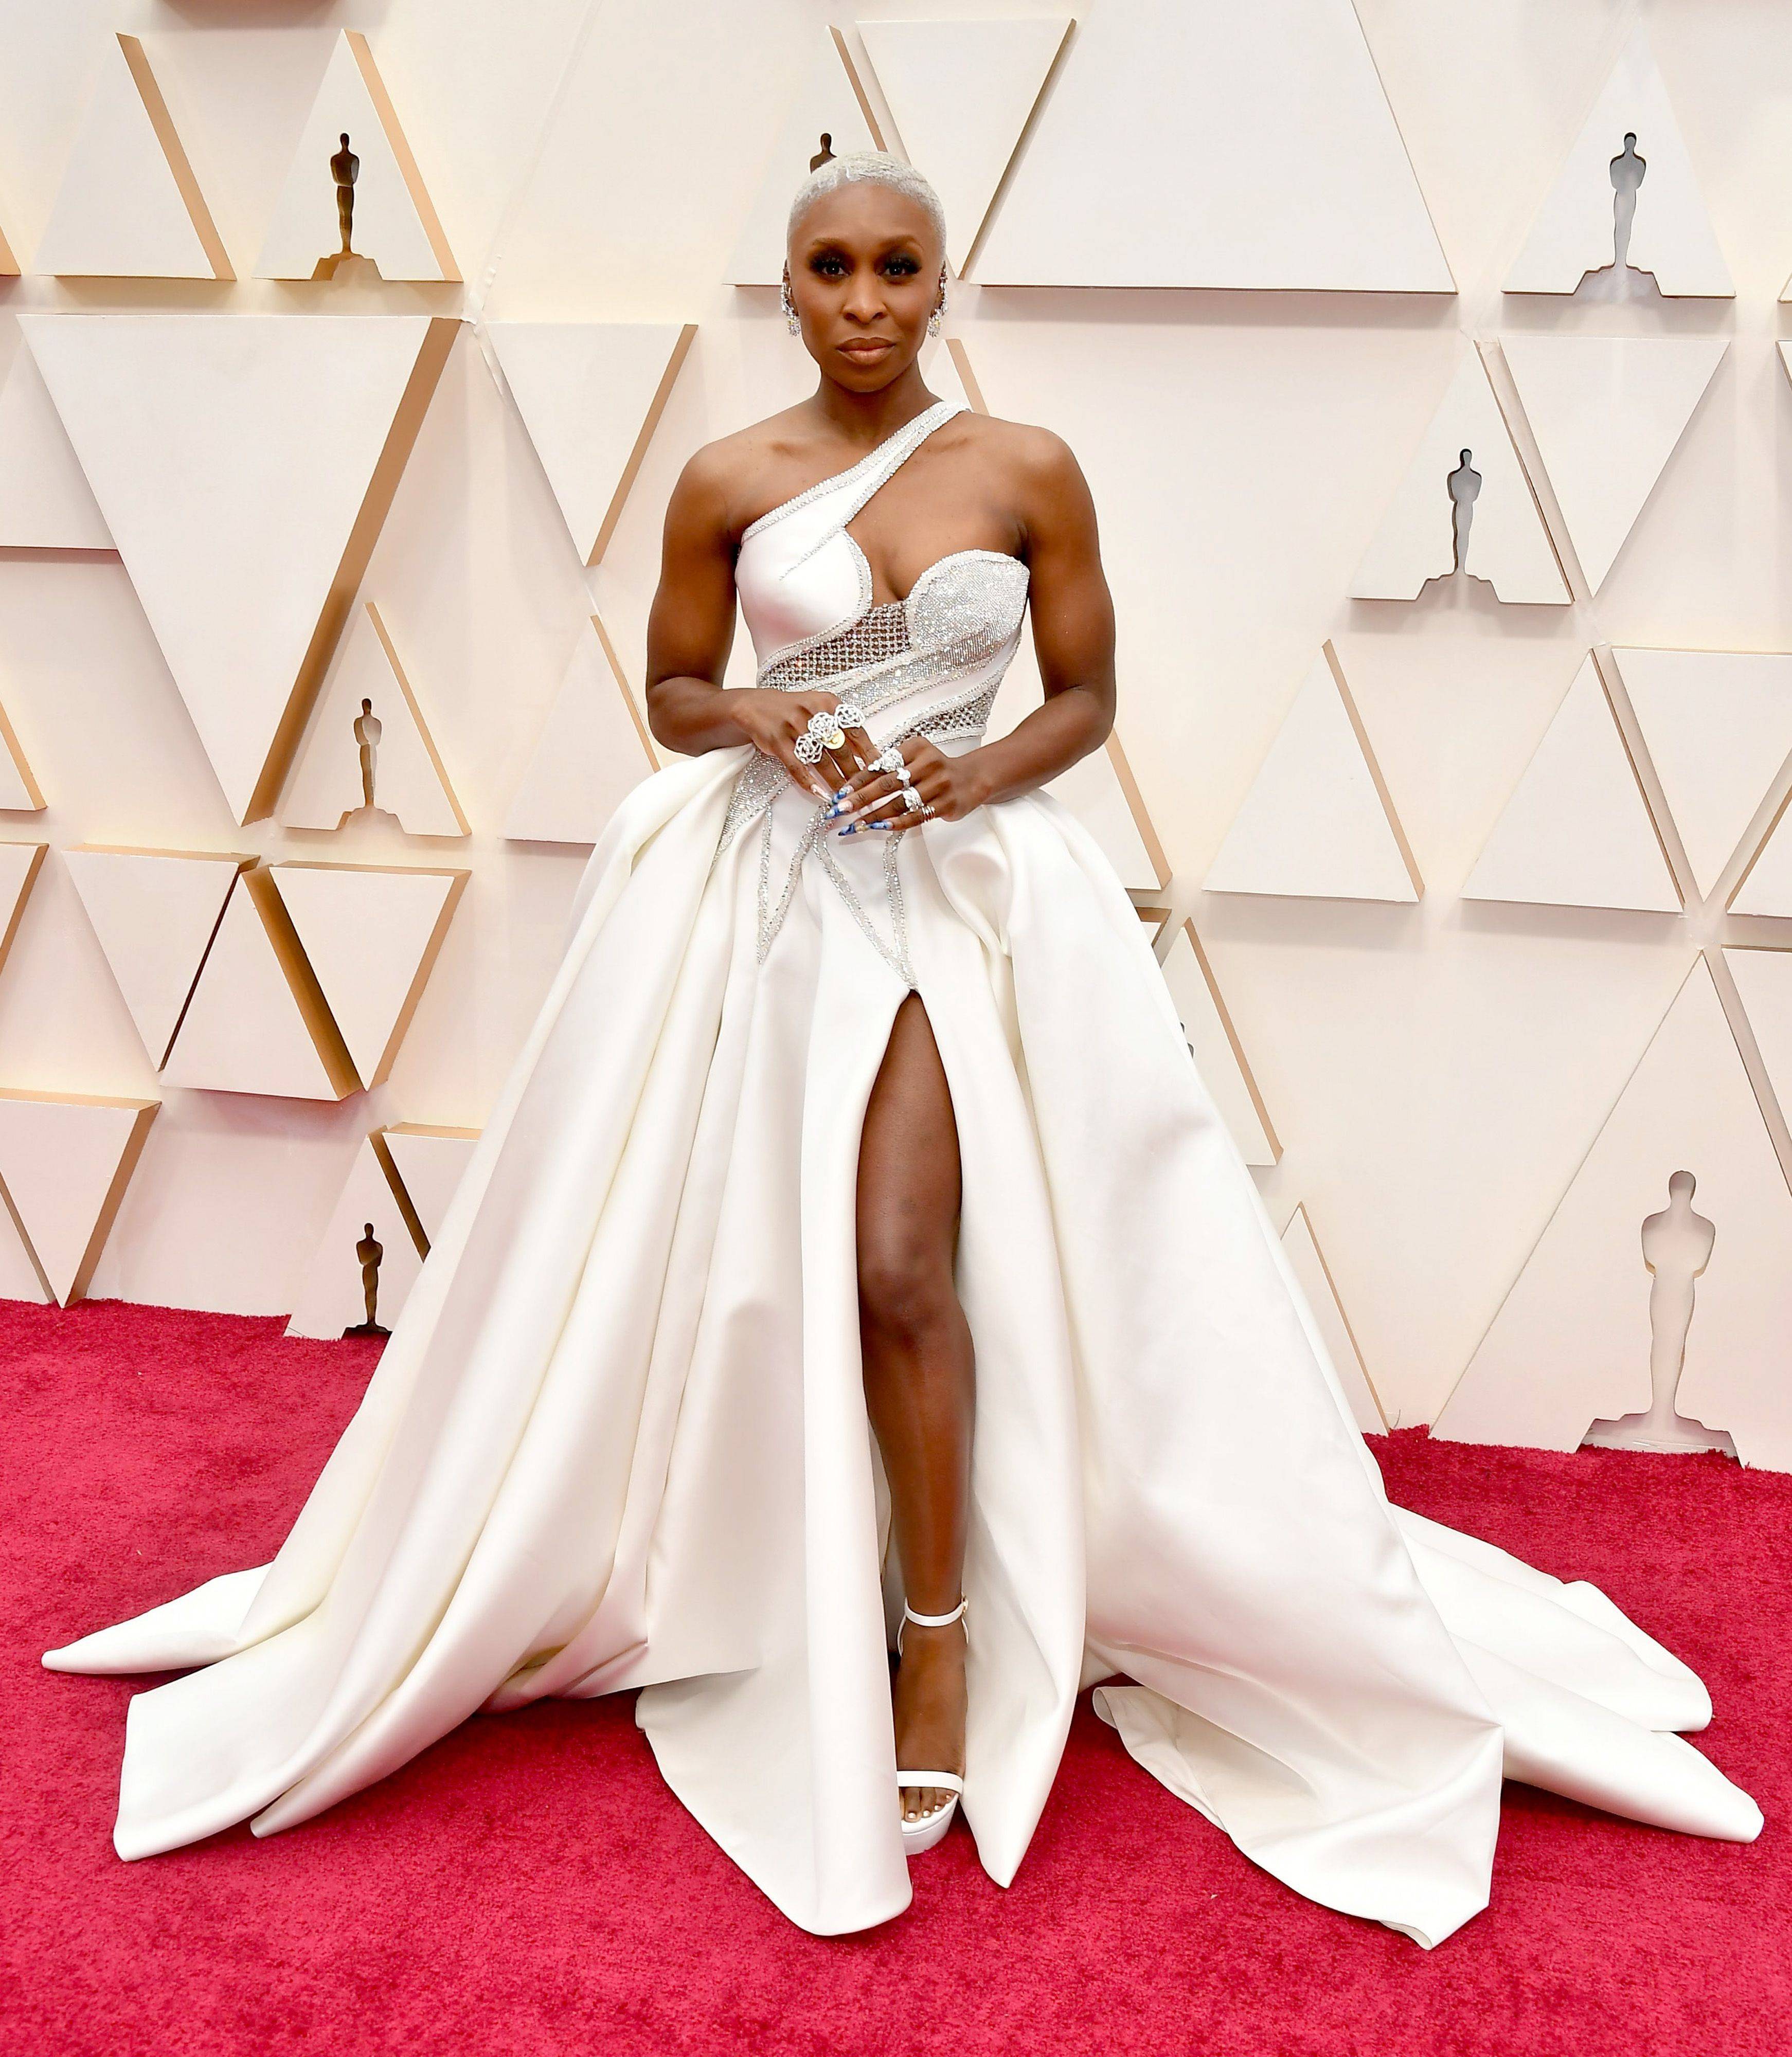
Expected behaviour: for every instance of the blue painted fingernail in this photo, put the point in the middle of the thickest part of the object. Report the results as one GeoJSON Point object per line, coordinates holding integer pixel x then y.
{"type": "Point", "coordinates": [850, 829]}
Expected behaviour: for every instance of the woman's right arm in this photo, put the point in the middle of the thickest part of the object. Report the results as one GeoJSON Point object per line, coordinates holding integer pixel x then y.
{"type": "Point", "coordinates": [691, 629]}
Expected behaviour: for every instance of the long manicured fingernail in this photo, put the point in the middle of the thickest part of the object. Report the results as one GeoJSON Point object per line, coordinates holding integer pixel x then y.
{"type": "Point", "coordinates": [850, 829]}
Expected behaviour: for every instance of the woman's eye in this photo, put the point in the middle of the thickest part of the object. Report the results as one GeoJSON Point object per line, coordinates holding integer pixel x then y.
{"type": "Point", "coordinates": [828, 267]}
{"type": "Point", "coordinates": [901, 268]}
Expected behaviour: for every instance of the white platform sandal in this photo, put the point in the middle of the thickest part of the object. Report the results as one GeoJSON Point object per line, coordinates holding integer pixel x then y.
{"type": "Point", "coordinates": [923, 1833]}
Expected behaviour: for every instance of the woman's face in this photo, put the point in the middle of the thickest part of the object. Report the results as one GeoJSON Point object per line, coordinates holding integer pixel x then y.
{"type": "Point", "coordinates": [864, 274]}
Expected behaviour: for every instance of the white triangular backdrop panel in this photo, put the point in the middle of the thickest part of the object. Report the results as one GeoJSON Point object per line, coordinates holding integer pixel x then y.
{"type": "Point", "coordinates": [826, 102]}
{"type": "Point", "coordinates": [330, 1297]}
{"type": "Point", "coordinates": [155, 913]}
{"type": "Point", "coordinates": [1576, 831]}
{"type": "Point", "coordinates": [1571, 1342]}
{"type": "Point", "coordinates": [429, 1161]}
{"type": "Point", "coordinates": [1671, 237]}
{"type": "Point", "coordinates": [590, 395]}
{"type": "Point", "coordinates": [1607, 412]}
{"type": "Point", "coordinates": [1508, 543]}
{"type": "Point", "coordinates": [370, 933]}
{"type": "Point", "coordinates": [1273, 114]}
{"type": "Point", "coordinates": [65, 1161]}
{"type": "Point", "coordinates": [592, 751]}
{"type": "Point", "coordinates": [1717, 724]}
{"type": "Point", "coordinates": [410, 779]}
{"type": "Point", "coordinates": [45, 502]}
{"type": "Point", "coordinates": [1317, 822]}
{"type": "Point", "coordinates": [129, 205]}
{"type": "Point", "coordinates": [395, 222]}
{"type": "Point", "coordinates": [960, 92]}
{"type": "Point", "coordinates": [245, 1029]}
{"type": "Point", "coordinates": [184, 425]}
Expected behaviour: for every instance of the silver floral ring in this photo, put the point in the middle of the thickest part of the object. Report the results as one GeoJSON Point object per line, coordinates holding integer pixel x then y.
{"type": "Point", "coordinates": [891, 759]}
{"type": "Point", "coordinates": [912, 800]}
{"type": "Point", "coordinates": [848, 715]}
{"type": "Point", "coordinates": [808, 749]}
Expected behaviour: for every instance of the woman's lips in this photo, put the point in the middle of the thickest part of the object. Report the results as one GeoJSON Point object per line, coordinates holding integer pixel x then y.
{"type": "Point", "coordinates": [868, 348]}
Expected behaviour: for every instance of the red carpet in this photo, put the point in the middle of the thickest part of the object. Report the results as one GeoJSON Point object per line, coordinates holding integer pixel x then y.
{"type": "Point", "coordinates": [529, 1886]}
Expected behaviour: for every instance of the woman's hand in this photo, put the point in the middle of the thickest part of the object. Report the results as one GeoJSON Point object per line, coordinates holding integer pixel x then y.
{"type": "Point", "coordinates": [772, 721]}
{"type": "Point", "coordinates": [949, 788]}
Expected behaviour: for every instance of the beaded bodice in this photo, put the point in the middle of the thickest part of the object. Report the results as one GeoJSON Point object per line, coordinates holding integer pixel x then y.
{"type": "Point", "coordinates": [929, 663]}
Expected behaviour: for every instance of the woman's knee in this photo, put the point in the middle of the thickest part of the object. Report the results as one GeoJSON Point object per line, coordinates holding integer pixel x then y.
{"type": "Point", "coordinates": [905, 1286]}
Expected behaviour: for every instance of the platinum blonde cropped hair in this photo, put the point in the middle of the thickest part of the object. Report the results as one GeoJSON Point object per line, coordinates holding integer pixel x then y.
{"type": "Point", "coordinates": [882, 169]}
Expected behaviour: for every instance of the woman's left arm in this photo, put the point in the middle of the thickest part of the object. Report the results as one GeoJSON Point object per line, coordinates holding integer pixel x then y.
{"type": "Point", "coordinates": [1072, 629]}
{"type": "Point", "coordinates": [1072, 639]}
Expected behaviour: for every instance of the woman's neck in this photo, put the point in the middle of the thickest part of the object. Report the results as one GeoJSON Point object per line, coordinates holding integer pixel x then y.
{"type": "Point", "coordinates": [869, 418]}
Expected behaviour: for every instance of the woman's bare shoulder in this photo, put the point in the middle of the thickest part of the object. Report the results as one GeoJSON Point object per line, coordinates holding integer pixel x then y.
{"type": "Point", "coordinates": [1037, 463]}
{"type": "Point", "coordinates": [726, 479]}
{"type": "Point", "coordinates": [1021, 448]}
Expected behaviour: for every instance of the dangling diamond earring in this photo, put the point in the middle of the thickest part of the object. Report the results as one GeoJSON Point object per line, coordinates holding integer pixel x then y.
{"type": "Point", "coordinates": [792, 321]}
{"type": "Point", "coordinates": [938, 315]}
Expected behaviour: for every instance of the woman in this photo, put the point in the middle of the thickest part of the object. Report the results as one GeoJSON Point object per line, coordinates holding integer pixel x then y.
{"type": "Point", "coordinates": [853, 1248]}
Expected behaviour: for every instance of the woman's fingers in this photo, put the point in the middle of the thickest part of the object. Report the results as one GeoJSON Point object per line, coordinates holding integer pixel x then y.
{"type": "Point", "coordinates": [875, 801]}
{"type": "Point", "coordinates": [809, 776]}
{"type": "Point", "coordinates": [909, 751]}
{"type": "Point", "coordinates": [841, 766]}
{"type": "Point", "coordinates": [863, 749]}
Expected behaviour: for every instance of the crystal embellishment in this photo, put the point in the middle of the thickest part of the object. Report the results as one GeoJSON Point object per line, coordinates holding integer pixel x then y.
{"type": "Point", "coordinates": [961, 620]}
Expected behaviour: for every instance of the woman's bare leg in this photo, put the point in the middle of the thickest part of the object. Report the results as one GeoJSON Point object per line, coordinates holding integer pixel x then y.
{"type": "Point", "coordinates": [919, 1382]}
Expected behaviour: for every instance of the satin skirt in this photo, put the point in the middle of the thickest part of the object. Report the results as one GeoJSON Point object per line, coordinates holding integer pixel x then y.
{"type": "Point", "coordinates": [618, 1438]}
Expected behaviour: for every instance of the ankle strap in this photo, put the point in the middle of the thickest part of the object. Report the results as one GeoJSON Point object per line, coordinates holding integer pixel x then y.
{"type": "Point", "coordinates": [934, 1620]}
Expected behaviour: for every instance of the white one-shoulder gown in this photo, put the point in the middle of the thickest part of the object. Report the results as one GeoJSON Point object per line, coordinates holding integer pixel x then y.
{"type": "Point", "coordinates": [618, 1438]}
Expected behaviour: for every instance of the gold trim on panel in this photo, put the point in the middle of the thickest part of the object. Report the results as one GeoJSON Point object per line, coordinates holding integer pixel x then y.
{"type": "Point", "coordinates": [410, 701]}
{"type": "Point", "coordinates": [657, 407]}
{"type": "Point", "coordinates": [9, 736]}
{"type": "Point", "coordinates": [1374, 769]}
{"type": "Point", "coordinates": [857, 87]}
{"type": "Point", "coordinates": [402, 154]}
{"type": "Point", "coordinates": [179, 165]}
{"type": "Point", "coordinates": [401, 1200]}
{"type": "Point", "coordinates": [627, 691]}
{"type": "Point", "coordinates": [40, 851]}
{"type": "Point", "coordinates": [426, 957]}
{"type": "Point", "coordinates": [302, 982]}
{"type": "Point", "coordinates": [1343, 1313]}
